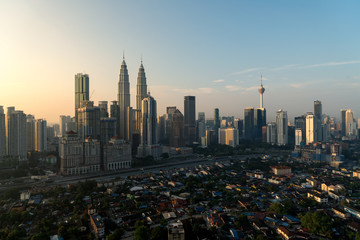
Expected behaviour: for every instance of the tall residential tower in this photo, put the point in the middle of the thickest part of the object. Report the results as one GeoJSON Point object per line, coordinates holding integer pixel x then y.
{"type": "Point", "coordinates": [189, 120]}
{"type": "Point", "coordinates": [81, 91]}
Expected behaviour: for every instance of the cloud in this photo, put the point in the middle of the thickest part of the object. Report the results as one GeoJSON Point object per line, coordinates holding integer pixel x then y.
{"type": "Point", "coordinates": [329, 64]}
{"type": "Point", "coordinates": [299, 85]}
{"type": "Point", "coordinates": [302, 66]}
{"type": "Point", "coordinates": [206, 90]}
{"type": "Point", "coordinates": [232, 88]}
{"type": "Point", "coordinates": [285, 67]}
{"type": "Point", "coordinates": [192, 91]}
{"type": "Point", "coordinates": [247, 71]}
{"type": "Point", "coordinates": [219, 81]}
{"type": "Point", "coordinates": [251, 88]}
{"type": "Point", "coordinates": [297, 66]}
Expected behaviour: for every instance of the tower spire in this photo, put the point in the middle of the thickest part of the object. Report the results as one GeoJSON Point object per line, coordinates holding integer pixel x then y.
{"type": "Point", "coordinates": [261, 91]}
{"type": "Point", "coordinates": [123, 55]}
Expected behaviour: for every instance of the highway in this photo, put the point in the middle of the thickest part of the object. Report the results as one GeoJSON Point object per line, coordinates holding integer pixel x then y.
{"type": "Point", "coordinates": [107, 175]}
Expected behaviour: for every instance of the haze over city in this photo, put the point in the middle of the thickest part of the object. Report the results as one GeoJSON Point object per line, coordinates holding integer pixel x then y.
{"type": "Point", "coordinates": [213, 50]}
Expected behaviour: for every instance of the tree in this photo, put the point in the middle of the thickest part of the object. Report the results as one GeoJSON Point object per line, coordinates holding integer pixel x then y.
{"type": "Point", "coordinates": [317, 222]}
{"type": "Point", "coordinates": [285, 207]}
{"type": "Point", "coordinates": [159, 233]}
{"type": "Point", "coordinates": [141, 233]}
{"type": "Point", "coordinates": [117, 234]}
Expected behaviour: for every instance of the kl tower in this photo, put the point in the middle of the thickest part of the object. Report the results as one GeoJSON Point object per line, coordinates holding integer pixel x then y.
{"type": "Point", "coordinates": [261, 91]}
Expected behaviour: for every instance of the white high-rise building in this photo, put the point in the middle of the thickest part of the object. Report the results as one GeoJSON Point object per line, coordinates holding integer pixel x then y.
{"type": "Point", "coordinates": [232, 137]}
{"type": "Point", "coordinates": [271, 133]}
{"type": "Point", "coordinates": [40, 135]}
{"type": "Point", "coordinates": [16, 133]}
{"type": "Point", "coordinates": [282, 127]}
{"type": "Point", "coordinates": [350, 124]}
{"type": "Point", "coordinates": [2, 133]}
{"type": "Point", "coordinates": [298, 136]}
{"type": "Point", "coordinates": [222, 136]}
{"type": "Point", "coordinates": [148, 145]}
{"type": "Point", "coordinates": [311, 128]}
{"type": "Point", "coordinates": [124, 102]}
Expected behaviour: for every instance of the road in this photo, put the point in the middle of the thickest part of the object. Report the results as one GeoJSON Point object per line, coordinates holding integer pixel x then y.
{"type": "Point", "coordinates": [107, 176]}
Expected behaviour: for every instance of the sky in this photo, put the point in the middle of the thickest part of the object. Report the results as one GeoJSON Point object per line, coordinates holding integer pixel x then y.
{"type": "Point", "coordinates": [214, 50]}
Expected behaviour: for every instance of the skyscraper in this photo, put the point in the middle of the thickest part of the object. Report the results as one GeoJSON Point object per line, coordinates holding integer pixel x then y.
{"type": "Point", "coordinates": [2, 133]}
{"type": "Point", "coordinates": [81, 91]}
{"type": "Point", "coordinates": [318, 109]}
{"type": "Point", "coordinates": [148, 145]}
{"type": "Point", "coordinates": [282, 127]}
{"type": "Point", "coordinates": [318, 116]}
{"type": "Point", "coordinates": [177, 129]}
{"type": "Point", "coordinates": [201, 126]}
{"type": "Point", "coordinates": [271, 133]}
{"type": "Point", "coordinates": [189, 120]}
{"type": "Point", "coordinates": [115, 113]}
{"type": "Point", "coordinates": [300, 123]}
{"type": "Point", "coordinates": [16, 133]}
{"type": "Point", "coordinates": [311, 126]}
{"type": "Point", "coordinates": [103, 105]}
{"type": "Point", "coordinates": [40, 135]}
{"type": "Point", "coordinates": [343, 121]}
{"type": "Point", "coordinates": [249, 122]}
{"type": "Point", "coordinates": [216, 123]}
{"type": "Point", "coordinates": [30, 133]}
{"type": "Point", "coordinates": [259, 121]}
{"type": "Point", "coordinates": [239, 125]}
{"type": "Point", "coordinates": [89, 121]}
{"type": "Point", "coordinates": [124, 101]}
{"type": "Point", "coordinates": [350, 124]}
{"type": "Point", "coordinates": [261, 91]}
{"type": "Point", "coordinates": [141, 87]}
{"type": "Point", "coordinates": [141, 93]}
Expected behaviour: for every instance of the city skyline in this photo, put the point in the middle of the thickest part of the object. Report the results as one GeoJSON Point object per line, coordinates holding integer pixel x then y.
{"type": "Point", "coordinates": [215, 52]}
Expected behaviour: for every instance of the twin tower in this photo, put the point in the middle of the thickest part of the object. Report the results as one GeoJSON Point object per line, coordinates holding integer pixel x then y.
{"type": "Point", "coordinates": [141, 120]}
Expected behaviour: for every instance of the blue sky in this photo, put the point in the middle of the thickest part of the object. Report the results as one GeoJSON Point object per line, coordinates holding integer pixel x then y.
{"type": "Point", "coordinates": [215, 50]}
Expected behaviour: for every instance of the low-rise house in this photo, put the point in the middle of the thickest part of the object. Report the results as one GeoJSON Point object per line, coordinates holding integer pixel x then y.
{"type": "Point", "coordinates": [176, 231]}
{"type": "Point", "coordinates": [284, 232]}
{"type": "Point", "coordinates": [97, 225]}
{"type": "Point", "coordinates": [354, 226]}
{"type": "Point", "coordinates": [354, 212]}
{"type": "Point", "coordinates": [356, 174]}
{"type": "Point", "coordinates": [320, 198]}
{"type": "Point", "coordinates": [340, 213]}
{"type": "Point", "coordinates": [281, 170]}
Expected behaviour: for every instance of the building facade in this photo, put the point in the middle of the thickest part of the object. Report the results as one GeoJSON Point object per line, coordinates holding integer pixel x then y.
{"type": "Point", "coordinates": [117, 154]}
{"type": "Point", "coordinates": [16, 133]}
{"type": "Point", "coordinates": [282, 127]}
{"type": "Point", "coordinates": [124, 102]}
{"type": "Point", "coordinates": [189, 120]}
{"type": "Point", "coordinates": [81, 91]}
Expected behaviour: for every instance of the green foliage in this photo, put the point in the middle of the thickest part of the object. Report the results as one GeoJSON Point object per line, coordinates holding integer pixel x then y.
{"type": "Point", "coordinates": [242, 222]}
{"type": "Point", "coordinates": [317, 222]}
{"type": "Point", "coordinates": [117, 234]}
{"type": "Point", "coordinates": [11, 193]}
{"type": "Point", "coordinates": [142, 233]}
{"type": "Point", "coordinates": [159, 233]}
{"type": "Point", "coordinates": [283, 208]}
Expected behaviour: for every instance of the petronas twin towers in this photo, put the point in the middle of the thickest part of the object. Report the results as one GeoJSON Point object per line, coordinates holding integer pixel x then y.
{"type": "Point", "coordinates": [125, 116]}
